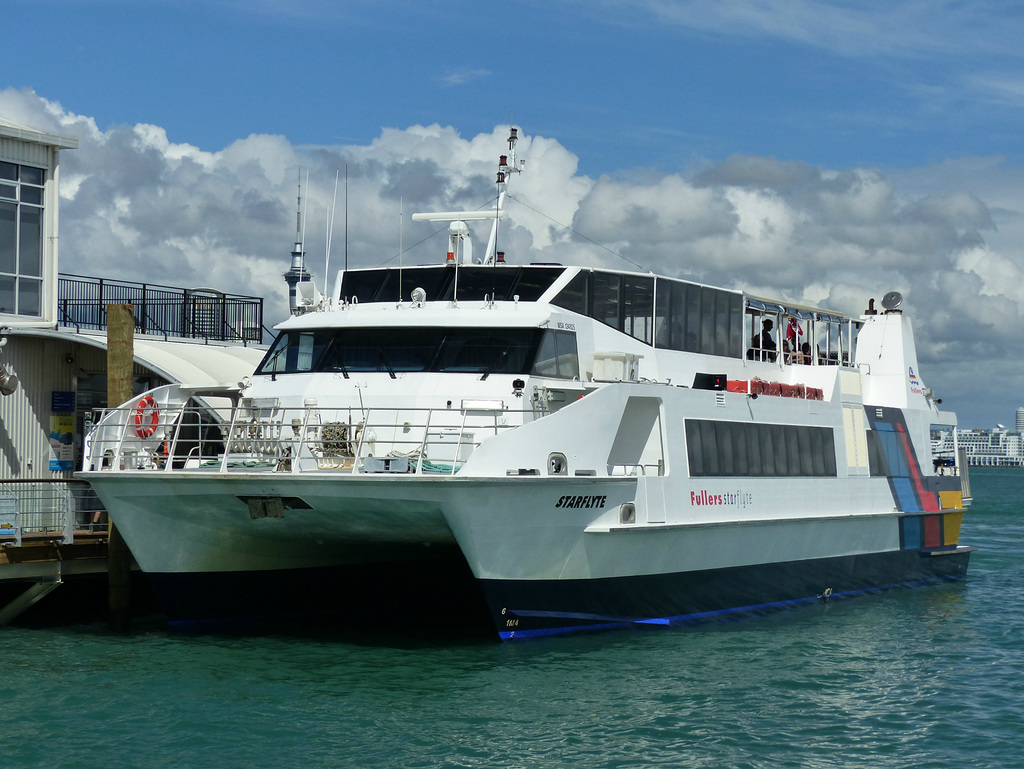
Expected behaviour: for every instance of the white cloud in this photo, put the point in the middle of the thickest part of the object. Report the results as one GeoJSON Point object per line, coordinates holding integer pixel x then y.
{"type": "Point", "coordinates": [139, 207]}
{"type": "Point", "coordinates": [464, 75]}
{"type": "Point", "coordinates": [900, 28]}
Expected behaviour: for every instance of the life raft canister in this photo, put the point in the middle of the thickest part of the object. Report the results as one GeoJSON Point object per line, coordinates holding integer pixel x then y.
{"type": "Point", "coordinates": [147, 416]}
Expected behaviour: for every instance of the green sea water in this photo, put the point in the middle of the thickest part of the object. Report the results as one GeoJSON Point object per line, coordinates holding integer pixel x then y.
{"type": "Point", "coordinates": [924, 677]}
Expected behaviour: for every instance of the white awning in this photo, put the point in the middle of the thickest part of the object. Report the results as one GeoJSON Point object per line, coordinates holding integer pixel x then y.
{"type": "Point", "coordinates": [186, 363]}
{"type": "Point", "coordinates": [180, 361]}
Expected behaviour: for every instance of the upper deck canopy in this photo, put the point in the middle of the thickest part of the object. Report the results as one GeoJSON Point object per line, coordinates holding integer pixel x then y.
{"type": "Point", "coordinates": [475, 282]}
{"type": "Point", "coordinates": [666, 313]}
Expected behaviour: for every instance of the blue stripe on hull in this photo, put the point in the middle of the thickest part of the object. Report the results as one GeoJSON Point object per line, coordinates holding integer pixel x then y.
{"type": "Point", "coordinates": [527, 609]}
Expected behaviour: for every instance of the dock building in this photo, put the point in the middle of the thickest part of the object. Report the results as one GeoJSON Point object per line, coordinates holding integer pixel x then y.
{"type": "Point", "coordinates": [53, 366]}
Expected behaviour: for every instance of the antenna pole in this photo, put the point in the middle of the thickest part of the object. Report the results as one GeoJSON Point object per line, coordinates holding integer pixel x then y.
{"type": "Point", "coordinates": [401, 223]}
{"type": "Point", "coordinates": [303, 239]}
{"type": "Point", "coordinates": [330, 228]}
{"type": "Point", "coordinates": [346, 217]}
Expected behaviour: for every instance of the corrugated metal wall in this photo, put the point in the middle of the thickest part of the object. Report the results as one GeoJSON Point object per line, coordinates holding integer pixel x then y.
{"type": "Point", "coordinates": [29, 153]}
{"type": "Point", "coordinates": [42, 368]}
{"type": "Point", "coordinates": [45, 365]}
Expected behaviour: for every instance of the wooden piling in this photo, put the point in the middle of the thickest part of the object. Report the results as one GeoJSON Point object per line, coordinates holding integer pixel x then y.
{"type": "Point", "coordinates": [120, 366]}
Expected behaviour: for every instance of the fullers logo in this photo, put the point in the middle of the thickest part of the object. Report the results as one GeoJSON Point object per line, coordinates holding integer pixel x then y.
{"type": "Point", "coordinates": [915, 383]}
{"type": "Point", "coordinates": [730, 498]}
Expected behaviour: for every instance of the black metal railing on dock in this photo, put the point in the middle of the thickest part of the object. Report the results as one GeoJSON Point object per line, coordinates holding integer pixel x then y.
{"type": "Point", "coordinates": [189, 313]}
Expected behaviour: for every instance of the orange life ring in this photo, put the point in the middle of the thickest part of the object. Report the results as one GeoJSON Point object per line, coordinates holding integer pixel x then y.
{"type": "Point", "coordinates": [145, 425]}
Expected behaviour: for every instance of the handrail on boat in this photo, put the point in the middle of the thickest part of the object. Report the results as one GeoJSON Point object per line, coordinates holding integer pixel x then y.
{"type": "Point", "coordinates": [261, 433]}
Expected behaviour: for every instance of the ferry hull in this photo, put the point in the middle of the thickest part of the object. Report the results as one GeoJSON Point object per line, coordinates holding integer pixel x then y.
{"type": "Point", "coordinates": [437, 593]}
{"type": "Point", "coordinates": [531, 608]}
{"type": "Point", "coordinates": [433, 591]}
{"type": "Point", "coordinates": [566, 564]}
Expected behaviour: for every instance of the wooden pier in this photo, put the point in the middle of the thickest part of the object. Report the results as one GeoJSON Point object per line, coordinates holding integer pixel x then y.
{"type": "Point", "coordinates": [44, 563]}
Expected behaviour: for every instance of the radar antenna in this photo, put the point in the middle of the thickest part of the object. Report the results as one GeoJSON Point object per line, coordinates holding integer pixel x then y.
{"type": "Point", "coordinates": [459, 244]}
{"type": "Point", "coordinates": [892, 301]}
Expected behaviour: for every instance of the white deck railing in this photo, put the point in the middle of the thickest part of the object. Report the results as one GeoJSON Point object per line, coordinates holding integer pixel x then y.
{"type": "Point", "coordinates": [260, 435]}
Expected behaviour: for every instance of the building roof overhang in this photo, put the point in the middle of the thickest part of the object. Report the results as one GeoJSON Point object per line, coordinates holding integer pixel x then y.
{"type": "Point", "coordinates": [14, 131]}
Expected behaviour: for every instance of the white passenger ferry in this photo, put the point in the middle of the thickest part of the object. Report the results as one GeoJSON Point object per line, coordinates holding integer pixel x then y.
{"type": "Point", "coordinates": [588, 448]}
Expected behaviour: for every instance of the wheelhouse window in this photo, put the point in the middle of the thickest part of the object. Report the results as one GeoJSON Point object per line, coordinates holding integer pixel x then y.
{"type": "Point", "coordinates": [501, 283]}
{"type": "Point", "coordinates": [451, 350]}
{"type": "Point", "coordinates": [558, 356]}
{"type": "Point", "coordinates": [293, 352]}
{"type": "Point", "coordinates": [21, 239]}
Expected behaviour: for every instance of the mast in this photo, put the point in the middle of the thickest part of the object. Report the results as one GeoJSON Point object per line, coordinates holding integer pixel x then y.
{"type": "Point", "coordinates": [459, 245]}
{"type": "Point", "coordinates": [504, 169]}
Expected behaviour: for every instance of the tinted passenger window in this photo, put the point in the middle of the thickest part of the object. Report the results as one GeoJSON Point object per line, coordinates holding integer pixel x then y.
{"type": "Point", "coordinates": [722, 449]}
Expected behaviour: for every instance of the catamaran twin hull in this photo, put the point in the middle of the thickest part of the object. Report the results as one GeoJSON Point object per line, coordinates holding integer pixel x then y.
{"type": "Point", "coordinates": [603, 513]}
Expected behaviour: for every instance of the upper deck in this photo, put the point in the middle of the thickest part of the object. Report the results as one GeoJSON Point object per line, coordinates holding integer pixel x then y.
{"type": "Point", "coordinates": [633, 313]}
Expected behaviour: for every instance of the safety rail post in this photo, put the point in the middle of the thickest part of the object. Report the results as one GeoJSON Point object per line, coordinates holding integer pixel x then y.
{"type": "Point", "coordinates": [67, 514]}
{"type": "Point", "coordinates": [963, 467]}
{"type": "Point", "coordinates": [423, 444]}
{"type": "Point", "coordinates": [118, 457]}
{"type": "Point", "coordinates": [172, 445]}
{"type": "Point", "coordinates": [458, 443]}
{"type": "Point", "coordinates": [231, 434]}
{"type": "Point", "coordinates": [119, 451]}
{"type": "Point", "coordinates": [172, 448]}
{"type": "Point", "coordinates": [299, 438]}
{"type": "Point", "coordinates": [362, 437]}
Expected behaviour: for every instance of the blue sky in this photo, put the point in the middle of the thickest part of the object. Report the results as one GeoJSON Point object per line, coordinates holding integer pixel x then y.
{"type": "Point", "coordinates": [644, 83]}
{"type": "Point", "coordinates": [823, 152]}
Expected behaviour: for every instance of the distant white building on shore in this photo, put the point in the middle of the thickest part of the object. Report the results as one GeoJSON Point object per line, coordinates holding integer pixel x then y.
{"type": "Point", "coordinates": [1000, 447]}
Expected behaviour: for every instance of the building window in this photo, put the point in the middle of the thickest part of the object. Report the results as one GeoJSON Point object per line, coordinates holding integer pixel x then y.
{"type": "Point", "coordinates": [21, 239]}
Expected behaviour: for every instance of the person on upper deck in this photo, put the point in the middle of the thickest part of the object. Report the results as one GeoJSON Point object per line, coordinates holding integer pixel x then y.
{"type": "Point", "coordinates": [789, 355]}
{"type": "Point", "coordinates": [793, 332]}
{"type": "Point", "coordinates": [764, 343]}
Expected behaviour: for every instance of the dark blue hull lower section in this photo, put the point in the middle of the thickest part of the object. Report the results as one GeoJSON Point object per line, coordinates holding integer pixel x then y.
{"type": "Point", "coordinates": [524, 609]}
{"type": "Point", "coordinates": [431, 593]}
{"type": "Point", "coordinates": [441, 593]}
